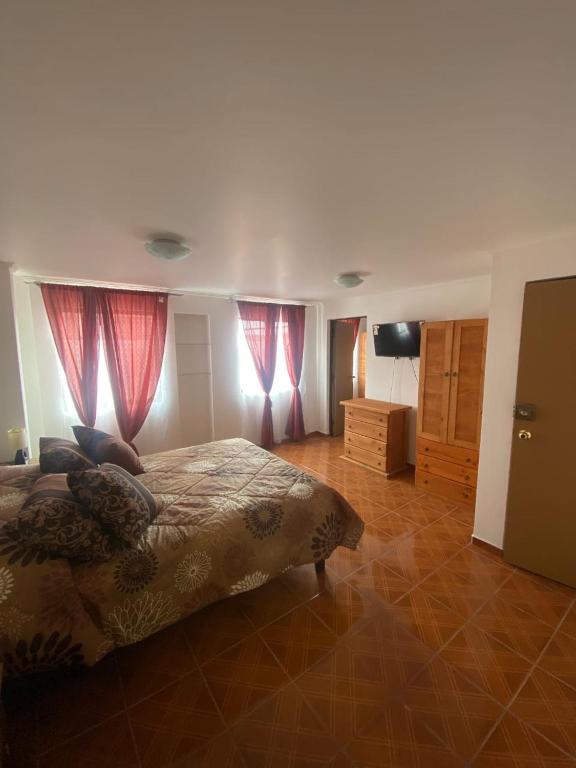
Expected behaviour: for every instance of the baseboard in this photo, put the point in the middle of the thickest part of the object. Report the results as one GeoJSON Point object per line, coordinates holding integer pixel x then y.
{"type": "Point", "coordinates": [485, 545]}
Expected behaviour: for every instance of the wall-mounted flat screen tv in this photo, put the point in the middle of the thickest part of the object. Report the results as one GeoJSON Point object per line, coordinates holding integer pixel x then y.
{"type": "Point", "coordinates": [397, 339]}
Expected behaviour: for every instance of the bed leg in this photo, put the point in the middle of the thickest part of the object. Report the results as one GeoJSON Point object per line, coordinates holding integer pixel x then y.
{"type": "Point", "coordinates": [320, 566]}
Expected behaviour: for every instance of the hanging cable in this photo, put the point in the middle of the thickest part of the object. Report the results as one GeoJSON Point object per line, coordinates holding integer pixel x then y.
{"type": "Point", "coordinates": [392, 380]}
{"type": "Point", "coordinates": [414, 371]}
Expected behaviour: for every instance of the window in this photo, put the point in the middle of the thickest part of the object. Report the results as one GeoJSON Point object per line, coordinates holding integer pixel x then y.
{"type": "Point", "coordinates": [105, 398]}
{"type": "Point", "coordinates": [248, 379]}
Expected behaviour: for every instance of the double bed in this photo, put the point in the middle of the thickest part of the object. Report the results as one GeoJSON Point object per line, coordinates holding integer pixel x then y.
{"type": "Point", "coordinates": [231, 517]}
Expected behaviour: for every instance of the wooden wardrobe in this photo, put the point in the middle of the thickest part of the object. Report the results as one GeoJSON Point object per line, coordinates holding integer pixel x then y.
{"type": "Point", "coordinates": [452, 355]}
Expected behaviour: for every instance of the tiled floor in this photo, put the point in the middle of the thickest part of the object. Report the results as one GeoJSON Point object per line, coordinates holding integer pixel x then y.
{"type": "Point", "coordinates": [419, 649]}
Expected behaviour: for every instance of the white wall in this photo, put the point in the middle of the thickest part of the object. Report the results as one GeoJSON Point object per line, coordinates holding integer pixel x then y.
{"type": "Point", "coordinates": [446, 301]}
{"type": "Point", "coordinates": [554, 257]}
{"type": "Point", "coordinates": [11, 400]}
{"type": "Point", "coordinates": [162, 429]}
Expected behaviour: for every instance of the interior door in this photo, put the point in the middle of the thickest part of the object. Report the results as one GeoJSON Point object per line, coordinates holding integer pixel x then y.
{"type": "Point", "coordinates": [541, 520]}
{"type": "Point", "coordinates": [434, 390]}
{"type": "Point", "coordinates": [467, 382]}
{"type": "Point", "coordinates": [341, 366]}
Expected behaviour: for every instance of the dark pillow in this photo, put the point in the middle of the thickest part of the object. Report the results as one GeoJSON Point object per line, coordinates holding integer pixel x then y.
{"type": "Point", "coordinates": [59, 455]}
{"type": "Point", "coordinates": [104, 448]}
{"type": "Point", "coordinates": [120, 503]}
{"type": "Point", "coordinates": [52, 521]}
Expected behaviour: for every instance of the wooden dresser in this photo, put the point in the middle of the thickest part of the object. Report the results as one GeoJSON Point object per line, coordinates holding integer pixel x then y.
{"type": "Point", "coordinates": [375, 434]}
{"type": "Point", "coordinates": [451, 388]}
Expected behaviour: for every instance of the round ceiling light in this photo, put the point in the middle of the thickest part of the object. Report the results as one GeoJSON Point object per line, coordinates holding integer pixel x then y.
{"type": "Point", "coordinates": [348, 280]}
{"type": "Point", "coordinates": [167, 248]}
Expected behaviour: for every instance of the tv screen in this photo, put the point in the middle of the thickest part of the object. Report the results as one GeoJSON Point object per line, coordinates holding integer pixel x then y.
{"type": "Point", "coordinates": [397, 339]}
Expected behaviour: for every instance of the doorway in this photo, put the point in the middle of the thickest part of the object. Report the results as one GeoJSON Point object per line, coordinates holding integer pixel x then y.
{"type": "Point", "coordinates": [540, 519]}
{"type": "Point", "coordinates": [347, 366]}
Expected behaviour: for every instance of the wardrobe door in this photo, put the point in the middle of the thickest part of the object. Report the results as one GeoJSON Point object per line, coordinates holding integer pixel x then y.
{"type": "Point", "coordinates": [434, 391]}
{"type": "Point", "coordinates": [467, 382]}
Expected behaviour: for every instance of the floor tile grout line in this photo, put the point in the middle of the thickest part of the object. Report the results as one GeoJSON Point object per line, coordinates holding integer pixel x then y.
{"type": "Point", "coordinates": [508, 708]}
{"type": "Point", "coordinates": [213, 699]}
{"type": "Point", "coordinates": [125, 699]}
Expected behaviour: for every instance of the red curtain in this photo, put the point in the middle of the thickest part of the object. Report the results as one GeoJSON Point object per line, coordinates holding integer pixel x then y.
{"type": "Point", "coordinates": [73, 315]}
{"type": "Point", "coordinates": [355, 322]}
{"type": "Point", "coordinates": [134, 330]}
{"type": "Point", "coordinates": [260, 324]}
{"type": "Point", "coordinates": [294, 320]}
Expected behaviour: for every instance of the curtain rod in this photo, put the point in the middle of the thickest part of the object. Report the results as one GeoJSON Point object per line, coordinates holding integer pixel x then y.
{"type": "Point", "coordinates": [113, 286]}
{"type": "Point", "coordinates": [259, 300]}
{"type": "Point", "coordinates": [38, 280]}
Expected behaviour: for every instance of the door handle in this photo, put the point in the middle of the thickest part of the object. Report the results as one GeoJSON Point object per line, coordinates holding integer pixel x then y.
{"type": "Point", "coordinates": [524, 434]}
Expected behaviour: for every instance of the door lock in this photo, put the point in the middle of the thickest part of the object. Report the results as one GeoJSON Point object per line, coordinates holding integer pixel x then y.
{"type": "Point", "coordinates": [524, 434]}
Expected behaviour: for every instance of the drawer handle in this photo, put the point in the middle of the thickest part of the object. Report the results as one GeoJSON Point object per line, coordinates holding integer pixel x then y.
{"type": "Point", "coordinates": [425, 482]}
{"type": "Point", "coordinates": [426, 449]}
{"type": "Point", "coordinates": [466, 477]}
{"type": "Point", "coordinates": [468, 461]}
{"type": "Point", "coordinates": [426, 465]}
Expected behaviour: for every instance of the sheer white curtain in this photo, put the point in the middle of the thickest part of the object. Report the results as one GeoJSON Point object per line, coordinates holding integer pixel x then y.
{"type": "Point", "coordinates": [252, 395]}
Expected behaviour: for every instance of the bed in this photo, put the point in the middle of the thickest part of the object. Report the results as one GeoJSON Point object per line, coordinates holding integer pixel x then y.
{"type": "Point", "coordinates": [231, 517]}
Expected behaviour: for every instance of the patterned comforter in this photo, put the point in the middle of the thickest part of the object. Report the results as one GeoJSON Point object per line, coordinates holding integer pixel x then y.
{"type": "Point", "coordinates": [232, 517]}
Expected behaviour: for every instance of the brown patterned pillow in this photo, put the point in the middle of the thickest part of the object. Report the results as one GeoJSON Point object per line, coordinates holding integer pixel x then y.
{"type": "Point", "coordinates": [60, 455]}
{"type": "Point", "coordinates": [120, 503]}
{"type": "Point", "coordinates": [104, 448]}
{"type": "Point", "coordinates": [52, 521]}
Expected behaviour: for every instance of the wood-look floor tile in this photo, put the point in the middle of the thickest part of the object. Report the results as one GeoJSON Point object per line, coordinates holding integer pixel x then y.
{"type": "Point", "coordinates": [559, 658]}
{"type": "Point", "coordinates": [166, 657]}
{"type": "Point", "coordinates": [428, 619]}
{"type": "Point", "coordinates": [568, 626]}
{"type": "Point", "coordinates": [109, 743]}
{"type": "Point", "coordinates": [221, 752]}
{"type": "Point", "coordinates": [74, 702]}
{"type": "Point", "coordinates": [397, 740]}
{"type": "Point", "coordinates": [514, 744]}
{"type": "Point", "coordinates": [343, 608]}
{"type": "Point", "coordinates": [549, 707]}
{"type": "Point", "coordinates": [346, 690]}
{"type": "Point", "coordinates": [243, 676]}
{"type": "Point", "coordinates": [267, 603]}
{"type": "Point", "coordinates": [517, 629]}
{"type": "Point", "coordinates": [456, 590]}
{"type": "Point", "coordinates": [176, 722]}
{"type": "Point", "coordinates": [451, 707]}
{"type": "Point", "coordinates": [216, 628]}
{"type": "Point", "coordinates": [394, 525]}
{"type": "Point", "coordinates": [284, 731]}
{"type": "Point", "coordinates": [298, 640]}
{"type": "Point", "coordinates": [419, 513]}
{"type": "Point", "coordinates": [382, 581]}
{"type": "Point", "coordinates": [542, 598]}
{"type": "Point", "coordinates": [413, 559]}
{"type": "Point", "coordinates": [485, 661]}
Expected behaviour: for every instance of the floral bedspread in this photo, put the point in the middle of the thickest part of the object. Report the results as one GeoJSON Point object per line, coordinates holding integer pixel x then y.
{"type": "Point", "coordinates": [232, 517]}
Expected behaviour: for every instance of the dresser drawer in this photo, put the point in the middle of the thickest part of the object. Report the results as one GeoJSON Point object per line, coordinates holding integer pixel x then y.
{"type": "Point", "coordinates": [465, 456]}
{"type": "Point", "coordinates": [447, 469]}
{"type": "Point", "coordinates": [367, 443]}
{"type": "Point", "coordinates": [366, 457]}
{"type": "Point", "coordinates": [376, 431]}
{"type": "Point", "coordinates": [462, 494]}
{"type": "Point", "coordinates": [371, 417]}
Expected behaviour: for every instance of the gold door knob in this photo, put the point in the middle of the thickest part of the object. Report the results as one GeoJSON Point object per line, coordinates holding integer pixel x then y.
{"type": "Point", "coordinates": [524, 434]}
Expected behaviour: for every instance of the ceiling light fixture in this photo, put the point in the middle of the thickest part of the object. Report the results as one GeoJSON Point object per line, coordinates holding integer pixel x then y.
{"type": "Point", "coordinates": [348, 280]}
{"type": "Point", "coordinates": [167, 248]}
